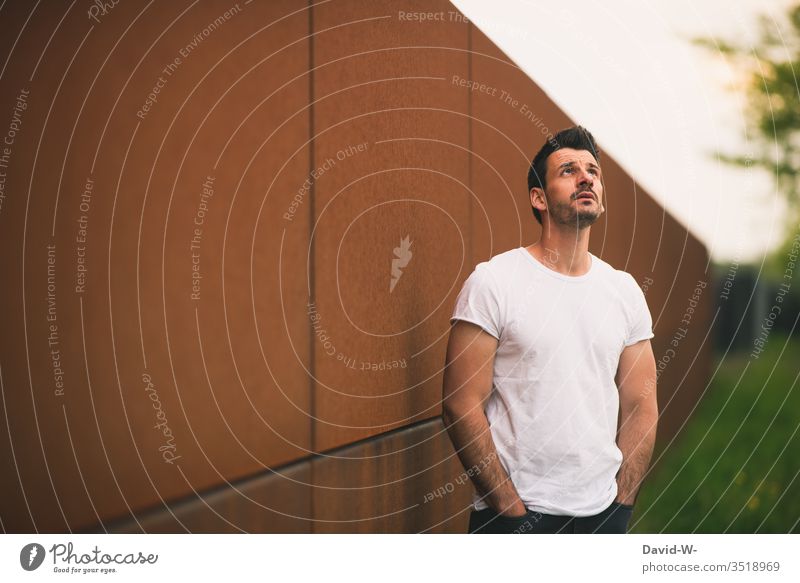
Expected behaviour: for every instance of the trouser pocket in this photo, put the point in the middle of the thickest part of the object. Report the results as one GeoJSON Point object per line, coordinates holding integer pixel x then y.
{"type": "Point", "coordinates": [622, 514]}
{"type": "Point", "coordinates": [487, 521]}
{"type": "Point", "coordinates": [518, 524]}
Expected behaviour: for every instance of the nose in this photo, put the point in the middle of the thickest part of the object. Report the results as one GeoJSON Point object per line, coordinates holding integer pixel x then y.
{"type": "Point", "coordinates": [585, 178]}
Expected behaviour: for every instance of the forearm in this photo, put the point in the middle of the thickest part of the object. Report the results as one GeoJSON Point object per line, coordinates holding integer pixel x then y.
{"type": "Point", "coordinates": [475, 447]}
{"type": "Point", "coordinates": [635, 439]}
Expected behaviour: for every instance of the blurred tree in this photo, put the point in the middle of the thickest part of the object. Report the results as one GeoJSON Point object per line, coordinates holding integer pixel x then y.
{"type": "Point", "coordinates": [772, 90]}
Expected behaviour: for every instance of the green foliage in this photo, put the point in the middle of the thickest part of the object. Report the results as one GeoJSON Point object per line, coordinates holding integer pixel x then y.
{"type": "Point", "coordinates": [772, 90]}
{"type": "Point", "coordinates": [734, 468]}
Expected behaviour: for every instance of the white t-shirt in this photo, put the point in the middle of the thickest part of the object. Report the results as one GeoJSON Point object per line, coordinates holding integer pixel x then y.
{"type": "Point", "coordinates": [554, 403]}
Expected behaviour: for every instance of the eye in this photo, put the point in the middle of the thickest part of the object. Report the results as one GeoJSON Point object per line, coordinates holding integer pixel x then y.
{"type": "Point", "coordinates": [593, 171]}
{"type": "Point", "coordinates": [566, 170]}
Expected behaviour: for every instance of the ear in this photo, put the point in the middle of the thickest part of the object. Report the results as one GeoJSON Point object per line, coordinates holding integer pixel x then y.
{"type": "Point", "coordinates": [538, 199]}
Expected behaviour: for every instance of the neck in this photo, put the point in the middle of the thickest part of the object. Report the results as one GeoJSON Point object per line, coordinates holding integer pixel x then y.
{"type": "Point", "coordinates": [563, 250]}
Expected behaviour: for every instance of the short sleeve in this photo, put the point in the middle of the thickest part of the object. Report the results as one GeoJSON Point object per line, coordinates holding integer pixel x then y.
{"type": "Point", "coordinates": [478, 302]}
{"type": "Point", "coordinates": [640, 322]}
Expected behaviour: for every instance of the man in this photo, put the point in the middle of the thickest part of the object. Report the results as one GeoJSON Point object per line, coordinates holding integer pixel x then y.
{"type": "Point", "coordinates": [549, 386]}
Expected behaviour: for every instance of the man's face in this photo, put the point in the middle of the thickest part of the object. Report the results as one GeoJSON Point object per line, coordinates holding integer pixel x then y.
{"type": "Point", "coordinates": [574, 192]}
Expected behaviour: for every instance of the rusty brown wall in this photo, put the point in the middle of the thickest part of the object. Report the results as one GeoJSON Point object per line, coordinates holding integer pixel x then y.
{"type": "Point", "coordinates": [198, 326]}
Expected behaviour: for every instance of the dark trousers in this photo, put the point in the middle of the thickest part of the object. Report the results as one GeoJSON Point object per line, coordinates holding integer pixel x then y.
{"type": "Point", "coordinates": [612, 520]}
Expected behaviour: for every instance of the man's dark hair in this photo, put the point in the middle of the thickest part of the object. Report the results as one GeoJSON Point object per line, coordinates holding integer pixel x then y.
{"type": "Point", "coordinates": [576, 138]}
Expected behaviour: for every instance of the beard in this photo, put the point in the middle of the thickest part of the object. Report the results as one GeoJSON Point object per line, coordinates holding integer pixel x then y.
{"type": "Point", "coordinates": [574, 215]}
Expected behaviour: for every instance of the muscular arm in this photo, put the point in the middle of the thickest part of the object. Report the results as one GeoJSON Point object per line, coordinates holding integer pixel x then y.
{"type": "Point", "coordinates": [467, 385]}
{"type": "Point", "coordinates": [638, 418]}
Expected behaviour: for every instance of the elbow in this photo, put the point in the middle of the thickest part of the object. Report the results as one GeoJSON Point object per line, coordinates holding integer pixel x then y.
{"type": "Point", "coordinates": [650, 407]}
{"type": "Point", "coordinates": [648, 415]}
{"type": "Point", "coordinates": [454, 410]}
{"type": "Point", "coordinates": [446, 420]}
{"type": "Point", "coordinates": [448, 413]}
{"type": "Point", "coordinates": [644, 409]}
